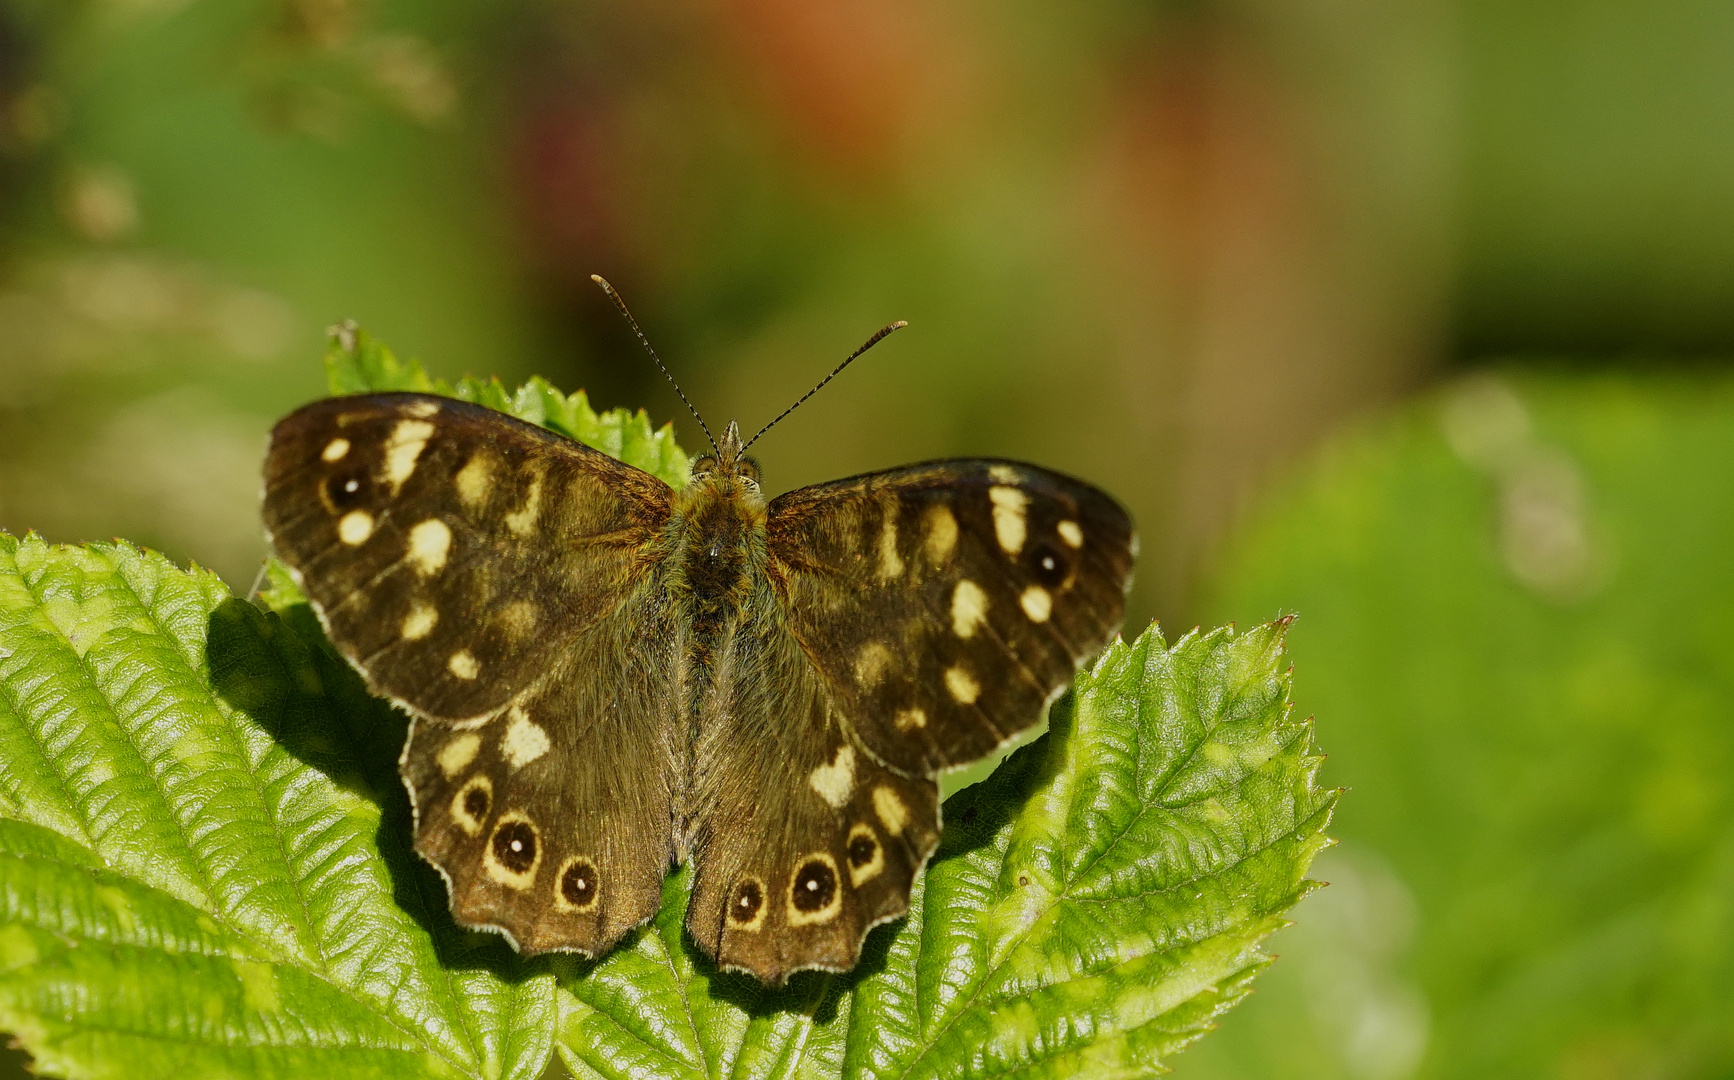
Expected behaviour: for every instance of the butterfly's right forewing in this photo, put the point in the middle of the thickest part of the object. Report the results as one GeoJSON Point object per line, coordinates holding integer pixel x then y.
{"type": "Point", "coordinates": [502, 583]}
{"type": "Point", "coordinates": [947, 603]}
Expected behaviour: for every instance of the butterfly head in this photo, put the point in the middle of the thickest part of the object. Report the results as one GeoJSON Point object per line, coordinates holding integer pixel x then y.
{"type": "Point", "coordinates": [729, 465]}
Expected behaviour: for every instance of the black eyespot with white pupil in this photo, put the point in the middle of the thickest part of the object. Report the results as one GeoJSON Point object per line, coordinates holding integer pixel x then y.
{"type": "Point", "coordinates": [748, 900]}
{"type": "Point", "coordinates": [578, 884]}
{"type": "Point", "coordinates": [1049, 565]}
{"type": "Point", "coordinates": [347, 490]}
{"type": "Point", "coordinates": [815, 885]}
{"type": "Point", "coordinates": [515, 846]}
{"type": "Point", "coordinates": [861, 851]}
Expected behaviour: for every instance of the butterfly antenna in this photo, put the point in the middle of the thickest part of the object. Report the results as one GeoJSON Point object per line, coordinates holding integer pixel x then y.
{"type": "Point", "coordinates": [884, 333]}
{"type": "Point", "coordinates": [642, 340]}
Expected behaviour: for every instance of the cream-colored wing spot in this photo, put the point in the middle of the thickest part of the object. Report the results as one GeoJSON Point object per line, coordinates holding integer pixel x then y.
{"type": "Point", "coordinates": [475, 481]}
{"type": "Point", "coordinates": [523, 740]}
{"type": "Point", "coordinates": [963, 686]}
{"type": "Point", "coordinates": [578, 886]}
{"type": "Point", "coordinates": [941, 533]}
{"type": "Point", "coordinates": [455, 756]}
{"type": "Point", "coordinates": [910, 719]}
{"type": "Point", "coordinates": [514, 851]}
{"type": "Point", "coordinates": [403, 448]}
{"type": "Point", "coordinates": [1037, 603]}
{"type": "Point", "coordinates": [968, 608]}
{"type": "Point", "coordinates": [815, 893]}
{"type": "Point", "coordinates": [421, 410]}
{"type": "Point", "coordinates": [430, 542]}
{"type": "Point", "coordinates": [866, 855]}
{"type": "Point", "coordinates": [419, 623]}
{"type": "Point", "coordinates": [518, 618]}
{"type": "Point", "coordinates": [835, 781]}
{"type": "Point", "coordinates": [472, 802]}
{"type": "Point", "coordinates": [871, 663]}
{"type": "Point", "coordinates": [523, 519]}
{"type": "Point", "coordinates": [747, 904]}
{"type": "Point", "coordinates": [889, 806]}
{"type": "Point", "coordinates": [463, 664]}
{"type": "Point", "coordinates": [1009, 525]}
{"type": "Point", "coordinates": [355, 527]}
{"type": "Point", "coordinates": [1003, 474]}
{"type": "Point", "coordinates": [1071, 533]}
{"type": "Point", "coordinates": [334, 450]}
{"type": "Point", "coordinates": [890, 563]}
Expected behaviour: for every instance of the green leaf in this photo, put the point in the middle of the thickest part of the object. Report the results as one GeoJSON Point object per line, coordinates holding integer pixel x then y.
{"type": "Point", "coordinates": [1092, 908]}
{"type": "Point", "coordinates": [356, 363]}
{"type": "Point", "coordinates": [1536, 876]}
{"type": "Point", "coordinates": [204, 862]}
{"type": "Point", "coordinates": [205, 859]}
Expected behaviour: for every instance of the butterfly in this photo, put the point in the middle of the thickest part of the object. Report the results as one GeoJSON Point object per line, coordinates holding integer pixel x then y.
{"type": "Point", "coordinates": [608, 676]}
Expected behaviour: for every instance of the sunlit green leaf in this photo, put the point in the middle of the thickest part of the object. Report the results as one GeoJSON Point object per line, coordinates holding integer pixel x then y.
{"type": "Point", "coordinates": [204, 863]}
{"type": "Point", "coordinates": [356, 363]}
{"type": "Point", "coordinates": [1092, 908]}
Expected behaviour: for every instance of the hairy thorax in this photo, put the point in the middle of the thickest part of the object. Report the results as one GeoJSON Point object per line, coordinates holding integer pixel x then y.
{"type": "Point", "coordinates": [718, 530]}
{"type": "Point", "coordinates": [720, 522]}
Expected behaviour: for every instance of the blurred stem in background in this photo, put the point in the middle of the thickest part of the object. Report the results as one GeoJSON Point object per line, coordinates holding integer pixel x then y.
{"type": "Point", "coordinates": [1171, 247]}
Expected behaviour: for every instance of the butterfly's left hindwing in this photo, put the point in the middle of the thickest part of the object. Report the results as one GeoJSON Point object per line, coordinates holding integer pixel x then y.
{"type": "Point", "coordinates": [553, 821]}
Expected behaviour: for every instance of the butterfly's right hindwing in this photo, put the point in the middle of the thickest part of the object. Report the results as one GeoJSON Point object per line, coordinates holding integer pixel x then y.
{"type": "Point", "coordinates": [453, 552]}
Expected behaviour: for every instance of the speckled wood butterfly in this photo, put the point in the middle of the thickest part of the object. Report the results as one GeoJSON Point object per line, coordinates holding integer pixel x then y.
{"type": "Point", "coordinates": [609, 676]}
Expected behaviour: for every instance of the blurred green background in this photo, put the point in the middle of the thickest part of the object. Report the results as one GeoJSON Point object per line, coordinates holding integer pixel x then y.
{"type": "Point", "coordinates": [1408, 317]}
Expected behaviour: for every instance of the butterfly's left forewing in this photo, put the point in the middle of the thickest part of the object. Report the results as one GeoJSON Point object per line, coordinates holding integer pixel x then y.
{"type": "Point", "coordinates": [452, 551]}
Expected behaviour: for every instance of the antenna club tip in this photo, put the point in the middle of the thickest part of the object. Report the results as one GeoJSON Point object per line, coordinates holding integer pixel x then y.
{"type": "Point", "coordinates": [899, 324]}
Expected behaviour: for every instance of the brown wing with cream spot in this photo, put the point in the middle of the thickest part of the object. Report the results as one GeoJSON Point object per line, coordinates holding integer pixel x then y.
{"type": "Point", "coordinates": [504, 584]}
{"type": "Point", "coordinates": [453, 552]}
{"type": "Point", "coordinates": [947, 603]}
{"type": "Point", "coordinates": [803, 841]}
{"type": "Point", "coordinates": [553, 821]}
